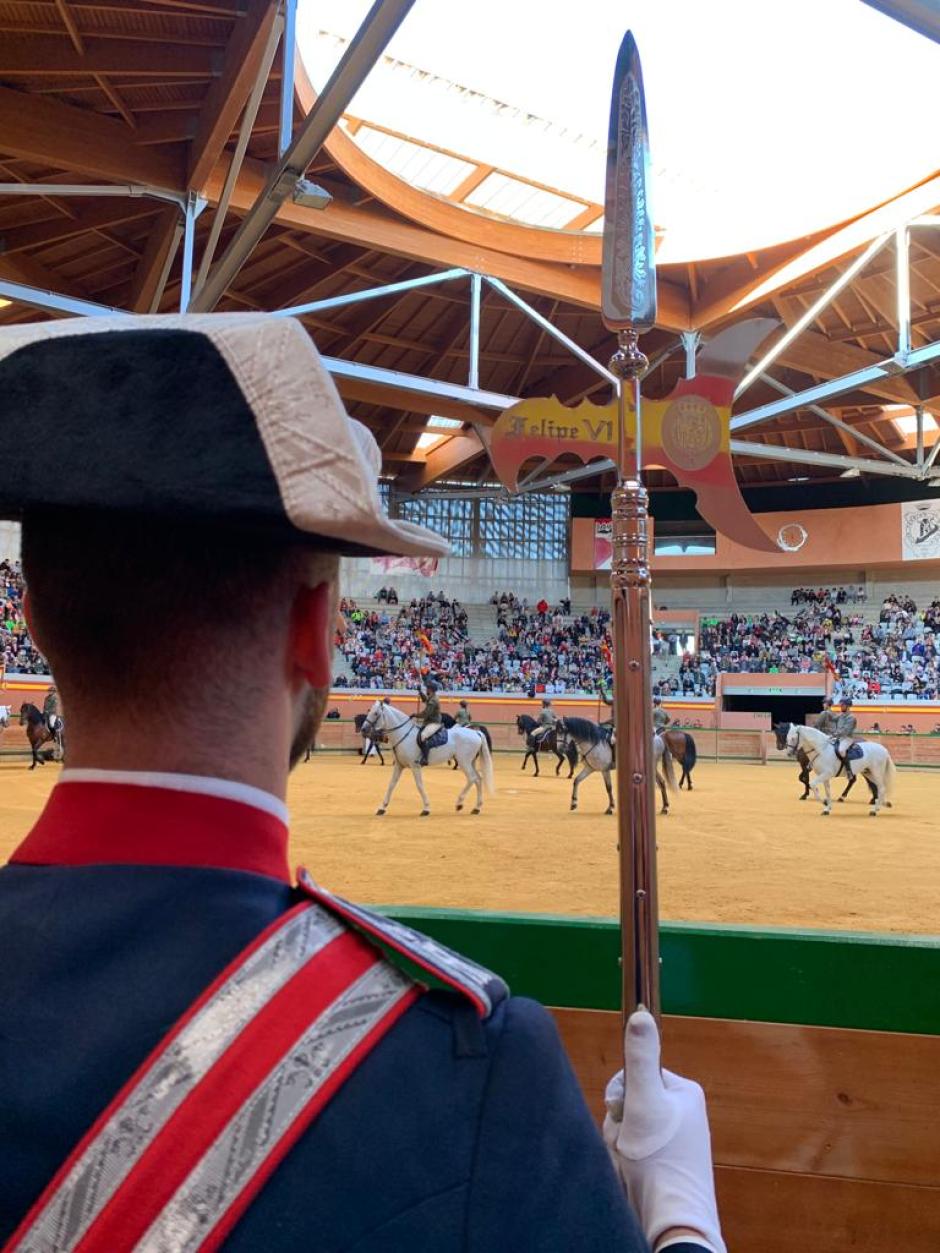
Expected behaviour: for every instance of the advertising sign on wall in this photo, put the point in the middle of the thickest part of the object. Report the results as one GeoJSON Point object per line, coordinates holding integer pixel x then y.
{"type": "Point", "coordinates": [920, 530]}
{"type": "Point", "coordinates": [603, 545]}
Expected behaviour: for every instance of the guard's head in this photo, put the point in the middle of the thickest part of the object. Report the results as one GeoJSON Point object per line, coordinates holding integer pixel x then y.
{"type": "Point", "coordinates": [657, 700]}
{"type": "Point", "coordinates": [846, 703]}
{"type": "Point", "coordinates": [546, 702]}
{"type": "Point", "coordinates": [186, 486]}
{"type": "Point", "coordinates": [463, 704]}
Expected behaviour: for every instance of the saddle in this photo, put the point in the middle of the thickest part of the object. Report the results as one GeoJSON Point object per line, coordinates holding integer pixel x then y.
{"type": "Point", "coordinates": [854, 752]}
{"type": "Point", "coordinates": [438, 739]}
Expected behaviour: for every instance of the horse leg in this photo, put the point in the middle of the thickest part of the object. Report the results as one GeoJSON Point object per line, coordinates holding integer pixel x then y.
{"type": "Point", "coordinates": [848, 787]}
{"type": "Point", "coordinates": [804, 779]}
{"type": "Point", "coordinates": [528, 754]}
{"type": "Point", "coordinates": [874, 791]}
{"type": "Point", "coordinates": [579, 779]}
{"type": "Point", "coordinates": [660, 779]}
{"type": "Point", "coordinates": [419, 784]}
{"type": "Point", "coordinates": [392, 783]}
{"type": "Point", "coordinates": [535, 758]}
{"type": "Point", "coordinates": [474, 777]}
{"type": "Point", "coordinates": [827, 808]}
{"type": "Point", "coordinates": [879, 796]}
{"type": "Point", "coordinates": [560, 763]}
{"type": "Point", "coordinates": [610, 793]}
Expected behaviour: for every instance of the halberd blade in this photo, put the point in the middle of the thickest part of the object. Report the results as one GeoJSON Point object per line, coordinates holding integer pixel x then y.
{"type": "Point", "coordinates": [628, 278]}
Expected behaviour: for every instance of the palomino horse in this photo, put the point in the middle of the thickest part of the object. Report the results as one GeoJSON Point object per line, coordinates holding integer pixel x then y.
{"type": "Point", "coordinates": [38, 733]}
{"type": "Point", "coordinates": [547, 743]}
{"type": "Point", "coordinates": [781, 730]}
{"type": "Point", "coordinates": [460, 742]}
{"type": "Point", "coordinates": [682, 747]}
{"type": "Point", "coordinates": [874, 761]}
{"type": "Point", "coordinates": [593, 742]}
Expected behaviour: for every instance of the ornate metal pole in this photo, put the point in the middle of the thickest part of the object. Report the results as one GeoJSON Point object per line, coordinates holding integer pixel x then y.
{"type": "Point", "coordinates": [629, 308]}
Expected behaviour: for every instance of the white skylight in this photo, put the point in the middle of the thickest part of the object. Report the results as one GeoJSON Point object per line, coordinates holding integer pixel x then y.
{"type": "Point", "coordinates": [444, 424]}
{"type": "Point", "coordinates": [747, 112]}
{"type": "Point", "coordinates": [908, 425]}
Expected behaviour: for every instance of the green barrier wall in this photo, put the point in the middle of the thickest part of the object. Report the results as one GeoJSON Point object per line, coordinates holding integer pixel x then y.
{"type": "Point", "coordinates": [818, 978]}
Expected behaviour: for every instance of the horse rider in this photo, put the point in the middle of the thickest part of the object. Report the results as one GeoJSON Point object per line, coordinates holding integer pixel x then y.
{"type": "Point", "coordinates": [462, 716]}
{"type": "Point", "coordinates": [545, 722]}
{"type": "Point", "coordinates": [429, 719]}
{"type": "Point", "coordinates": [241, 1034]}
{"type": "Point", "coordinates": [50, 711]}
{"type": "Point", "coordinates": [826, 721]}
{"type": "Point", "coordinates": [843, 734]}
{"type": "Point", "coordinates": [661, 719]}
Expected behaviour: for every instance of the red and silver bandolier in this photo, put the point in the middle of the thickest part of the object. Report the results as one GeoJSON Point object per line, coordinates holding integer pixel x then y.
{"type": "Point", "coordinates": [189, 1141]}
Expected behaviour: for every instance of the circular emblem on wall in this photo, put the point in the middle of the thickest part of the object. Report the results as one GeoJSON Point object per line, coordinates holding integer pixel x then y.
{"type": "Point", "coordinates": [691, 432]}
{"type": "Point", "coordinates": [792, 536]}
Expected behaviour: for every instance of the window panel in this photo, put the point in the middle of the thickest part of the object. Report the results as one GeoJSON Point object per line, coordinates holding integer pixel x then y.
{"type": "Point", "coordinates": [530, 527]}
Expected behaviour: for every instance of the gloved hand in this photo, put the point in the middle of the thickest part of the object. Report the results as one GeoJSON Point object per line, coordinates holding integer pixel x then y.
{"type": "Point", "coordinates": [657, 1134]}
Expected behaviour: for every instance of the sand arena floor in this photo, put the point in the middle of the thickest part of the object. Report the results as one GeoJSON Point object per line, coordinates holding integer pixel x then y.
{"type": "Point", "coordinates": [740, 848]}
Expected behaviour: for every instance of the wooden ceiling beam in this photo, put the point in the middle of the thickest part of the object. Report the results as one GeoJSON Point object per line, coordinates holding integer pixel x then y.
{"type": "Point", "coordinates": [444, 459]}
{"type": "Point", "coordinates": [725, 297]}
{"type": "Point", "coordinates": [150, 268]}
{"type": "Point", "coordinates": [97, 217]}
{"type": "Point", "coordinates": [230, 91]}
{"type": "Point", "coordinates": [374, 228]}
{"type": "Point", "coordinates": [40, 129]}
{"type": "Point", "coordinates": [45, 56]}
{"type": "Point", "coordinates": [813, 353]}
{"type": "Point", "coordinates": [32, 273]}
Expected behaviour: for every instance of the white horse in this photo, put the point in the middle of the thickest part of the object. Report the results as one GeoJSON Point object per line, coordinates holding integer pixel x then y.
{"type": "Point", "coordinates": [875, 763]}
{"type": "Point", "coordinates": [593, 743]}
{"type": "Point", "coordinates": [462, 744]}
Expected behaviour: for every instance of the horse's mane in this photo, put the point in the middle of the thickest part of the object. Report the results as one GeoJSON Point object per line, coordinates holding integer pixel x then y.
{"type": "Point", "coordinates": [359, 720]}
{"type": "Point", "coordinates": [584, 729]}
{"type": "Point", "coordinates": [526, 722]}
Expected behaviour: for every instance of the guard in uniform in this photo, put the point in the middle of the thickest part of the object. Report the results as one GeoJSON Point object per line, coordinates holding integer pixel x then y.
{"type": "Point", "coordinates": [661, 719]}
{"type": "Point", "coordinates": [462, 716]}
{"type": "Point", "coordinates": [430, 718]}
{"type": "Point", "coordinates": [196, 1050]}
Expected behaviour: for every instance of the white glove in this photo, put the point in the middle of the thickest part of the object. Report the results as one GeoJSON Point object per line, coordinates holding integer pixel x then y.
{"type": "Point", "coordinates": [658, 1138]}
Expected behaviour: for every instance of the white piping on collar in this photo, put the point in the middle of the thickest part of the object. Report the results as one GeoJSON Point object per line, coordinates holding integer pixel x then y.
{"type": "Point", "coordinates": [202, 785]}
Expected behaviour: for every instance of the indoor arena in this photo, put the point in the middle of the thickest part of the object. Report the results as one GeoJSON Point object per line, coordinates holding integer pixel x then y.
{"type": "Point", "coordinates": [532, 440]}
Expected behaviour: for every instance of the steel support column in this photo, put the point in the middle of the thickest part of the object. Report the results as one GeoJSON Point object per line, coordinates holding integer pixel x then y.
{"type": "Point", "coordinates": [369, 293]}
{"type": "Point", "coordinates": [194, 206]}
{"type": "Point", "coordinates": [53, 302]}
{"type": "Point", "coordinates": [903, 288]}
{"type": "Point", "coordinates": [476, 284]}
{"type": "Point", "coordinates": [366, 47]}
{"type": "Point", "coordinates": [813, 312]}
{"type": "Point", "coordinates": [130, 191]}
{"type": "Point", "coordinates": [241, 147]}
{"type": "Point", "coordinates": [288, 53]}
{"type": "Point", "coordinates": [690, 345]}
{"type": "Point", "coordinates": [550, 329]}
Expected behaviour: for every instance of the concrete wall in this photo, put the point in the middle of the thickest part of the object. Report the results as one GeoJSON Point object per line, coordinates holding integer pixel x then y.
{"type": "Point", "coordinates": [9, 541]}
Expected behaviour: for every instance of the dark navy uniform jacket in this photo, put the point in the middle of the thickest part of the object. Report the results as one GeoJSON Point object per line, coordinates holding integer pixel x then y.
{"type": "Point", "coordinates": [453, 1134]}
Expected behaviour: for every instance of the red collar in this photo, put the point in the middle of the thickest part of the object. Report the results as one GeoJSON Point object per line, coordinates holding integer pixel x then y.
{"type": "Point", "coordinates": [86, 824]}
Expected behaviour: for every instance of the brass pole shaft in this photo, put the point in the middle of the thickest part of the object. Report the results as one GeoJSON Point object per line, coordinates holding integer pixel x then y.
{"type": "Point", "coordinates": [630, 616]}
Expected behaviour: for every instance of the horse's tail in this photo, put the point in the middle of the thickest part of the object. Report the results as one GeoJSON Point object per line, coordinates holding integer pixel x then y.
{"type": "Point", "coordinates": [891, 774]}
{"type": "Point", "coordinates": [484, 731]}
{"type": "Point", "coordinates": [486, 761]}
{"type": "Point", "coordinates": [668, 772]}
{"type": "Point", "coordinates": [691, 753]}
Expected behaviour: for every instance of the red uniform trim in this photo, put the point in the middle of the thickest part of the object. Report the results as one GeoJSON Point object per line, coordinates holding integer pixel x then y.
{"type": "Point", "coordinates": [217, 1099]}
{"type": "Point", "coordinates": [96, 1127]}
{"type": "Point", "coordinates": [90, 824]}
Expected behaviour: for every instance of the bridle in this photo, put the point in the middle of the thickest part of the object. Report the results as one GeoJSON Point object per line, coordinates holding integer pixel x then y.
{"type": "Point", "coordinates": [371, 726]}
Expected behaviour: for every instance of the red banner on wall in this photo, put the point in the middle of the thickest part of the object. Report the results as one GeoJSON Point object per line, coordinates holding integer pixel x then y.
{"type": "Point", "coordinates": [603, 543]}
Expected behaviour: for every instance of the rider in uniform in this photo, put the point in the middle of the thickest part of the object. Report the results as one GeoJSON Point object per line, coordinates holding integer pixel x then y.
{"type": "Point", "coordinates": [546, 720]}
{"type": "Point", "coordinates": [661, 719]}
{"type": "Point", "coordinates": [462, 716]}
{"type": "Point", "coordinates": [430, 719]}
{"type": "Point", "coordinates": [50, 710]}
{"type": "Point", "coordinates": [826, 722]}
{"type": "Point", "coordinates": [844, 731]}
{"type": "Point", "coordinates": [256, 1064]}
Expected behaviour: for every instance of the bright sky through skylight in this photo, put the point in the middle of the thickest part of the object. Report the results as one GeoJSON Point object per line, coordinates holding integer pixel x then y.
{"type": "Point", "coordinates": [767, 121]}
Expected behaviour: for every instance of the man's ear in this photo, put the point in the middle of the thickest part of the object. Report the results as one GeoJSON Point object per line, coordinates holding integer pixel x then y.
{"type": "Point", "coordinates": [312, 624]}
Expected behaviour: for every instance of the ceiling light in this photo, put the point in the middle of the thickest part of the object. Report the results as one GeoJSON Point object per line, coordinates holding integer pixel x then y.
{"type": "Point", "coordinates": [444, 424]}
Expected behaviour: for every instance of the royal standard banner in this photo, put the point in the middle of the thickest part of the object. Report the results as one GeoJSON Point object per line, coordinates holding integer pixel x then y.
{"type": "Point", "coordinates": [686, 433]}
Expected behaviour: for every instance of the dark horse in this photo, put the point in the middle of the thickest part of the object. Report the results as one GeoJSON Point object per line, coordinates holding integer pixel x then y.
{"type": "Point", "coordinates": [548, 742]}
{"type": "Point", "coordinates": [780, 730]}
{"type": "Point", "coordinates": [38, 733]}
{"type": "Point", "coordinates": [370, 740]}
{"type": "Point", "coordinates": [682, 747]}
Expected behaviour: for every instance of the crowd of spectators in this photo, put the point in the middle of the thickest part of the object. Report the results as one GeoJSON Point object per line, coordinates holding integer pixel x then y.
{"type": "Point", "coordinates": [17, 652]}
{"type": "Point", "coordinates": [538, 649]}
{"type": "Point", "coordinates": [828, 595]}
{"type": "Point", "coordinates": [897, 658]}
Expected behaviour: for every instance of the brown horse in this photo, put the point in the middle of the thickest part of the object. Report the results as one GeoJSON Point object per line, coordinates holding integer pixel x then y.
{"type": "Point", "coordinates": [682, 747]}
{"type": "Point", "coordinates": [38, 734]}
